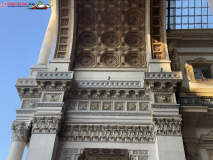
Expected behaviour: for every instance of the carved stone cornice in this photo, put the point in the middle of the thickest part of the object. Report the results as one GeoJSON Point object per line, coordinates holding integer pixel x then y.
{"type": "Point", "coordinates": [54, 81]}
{"type": "Point", "coordinates": [168, 126]}
{"type": "Point", "coordinates": [27, 88]}
{"type": "Point", "coordinates": [112, 133]}
{"type": "Point", "coordinates": [21, 131]}
{"type": "Point", "coordinates": [46, 124]}
{"type": "Point", "coordinates": [207, 137]}
{"type": "Point", "coordinates": [163, 76]}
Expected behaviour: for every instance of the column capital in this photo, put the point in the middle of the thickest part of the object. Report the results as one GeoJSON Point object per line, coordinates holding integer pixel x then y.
{"type": "Point", "coordinates": [46, 124]}
{"type": "Point", "coordinates": [21, 131]}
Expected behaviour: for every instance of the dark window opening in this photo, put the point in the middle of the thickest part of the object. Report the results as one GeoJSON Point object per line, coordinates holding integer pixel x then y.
{"type": "Point", "coordinates": [202, 72]}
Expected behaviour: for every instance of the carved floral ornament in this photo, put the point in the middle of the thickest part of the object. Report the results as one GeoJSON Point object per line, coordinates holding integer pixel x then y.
{"type": "Point", "coordinates": [21, 131]}
{"type": "Point", "coordinates": [190, 73]}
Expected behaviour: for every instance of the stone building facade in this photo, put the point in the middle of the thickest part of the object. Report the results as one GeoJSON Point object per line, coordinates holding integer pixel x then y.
{"type": "Point", "coordinates": [117, 87]}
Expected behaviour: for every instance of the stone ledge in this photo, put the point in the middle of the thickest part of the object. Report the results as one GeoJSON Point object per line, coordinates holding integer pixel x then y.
{"type": "Point", "coordinates": [54, 75]}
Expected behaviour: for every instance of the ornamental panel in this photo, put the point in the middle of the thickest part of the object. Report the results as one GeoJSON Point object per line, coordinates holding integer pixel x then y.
{"type": "Point", "coordinates": [107, 30]}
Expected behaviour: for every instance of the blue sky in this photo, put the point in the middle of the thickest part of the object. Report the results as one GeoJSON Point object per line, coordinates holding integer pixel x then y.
{"type": "Point", "coordinates": [22, 33]}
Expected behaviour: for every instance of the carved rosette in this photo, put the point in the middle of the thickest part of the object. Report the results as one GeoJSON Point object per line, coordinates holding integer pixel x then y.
{"type": "Point", "coordinates": [113, 133]}
{"type": "Point", "coordinates": [87, 39]}
{"type": "Point", "coordinates": [168, 126]}
{"type": "Point", "coordinates": [109, 59]}
{"type": "Point", "coordinates": [46, 124]}
{"type": "Point", "coordinates": [134, 39]}
{"type": "Point", "coordinates": [87, 18]}
{"type": "Point", "coordinates": [111, 18]}
{"type": "Point", "coordinates": [136, 60]}
{"type": "Point", "coordinates": [86, 59]}
{"type": "Point", "coordinates": [133, 17]}
{"type": "Point", "coordinates": [110, 39]}
{"type": "Point", "coordinates": [21, 131]}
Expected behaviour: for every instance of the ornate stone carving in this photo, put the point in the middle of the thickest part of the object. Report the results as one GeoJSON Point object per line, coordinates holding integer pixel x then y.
{"type": "Point", "coordinates": [136, 60]}
{"type": "Point", "coordinates": [109, 59]}
{"type": "Point", "coordinates": [46, 124]}
{"type": "Point", "coordinates": [95, 106]}
{"type": "Point", "coordinates": [190, 73]}
{"type": "Point", "coordinates": [52, 97]}
{"type": "Point", "coordinates": [82, 105]}
{"type": "Point", "coordinates": [87, 18]}
{"type": "Point", "coordinates": [110, 39]}
{"type": "Point", "coordinates": [113, 133]}
{"type": "Point", "coordinates": [131, 106]}
{"type": "Point", "coordinates": [29, 104]}
{"type": "Point", "coordinates": [134, 39]}
{"type": "Point", "coordinates": [164, 98]}
{"type": "Point", "coordinates": [72, 105]}
{"type": "Point", "coordinates": [54, 75]}
{"type": "Point", "coordinates": [21, 131]}
{"type": "Point", "coordinates": [133, 17]}
{"type": "Point", "coordinates": [207, 137]}
{"type": "Point", "coordinates": [107, 106]}
{"type": "Point", "coordinates": [175, 61]}
{"type": "Point", "coordinates": [87, 39]}
{"type": "Point", "coordinates": [168, 126]}
{"type": "Point", "coordinates": [111, 18]}
{"type": "Point", "coordinates": [143, 106]}
{"type": "Point", "coordinates": [119, 106]}
{"type": "Point", "coordinates": [163, 75]}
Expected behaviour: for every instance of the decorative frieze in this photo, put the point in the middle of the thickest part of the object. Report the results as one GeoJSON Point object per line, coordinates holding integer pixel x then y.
{"type": "Point", "coordinates": [107, 106]}
{"type": "Point", "coordinates": [163, 75]}
{"type": "Point", "coordinates": [168, 126]}
{"type": "Point", "coordinates": [112, 133]}
{"type": "Point", "coordinates": [52, 97]}
{"type": "Point", "coordinates": [46, 124]}
{"type": "Point", "coordinates": [21, 131]}
{"type": "Point", "coordinates": [54, 75]}
{"type": "Point", "coordinates": [23, 82]}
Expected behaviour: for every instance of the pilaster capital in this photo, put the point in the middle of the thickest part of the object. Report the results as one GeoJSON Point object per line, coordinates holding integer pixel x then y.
{"type": "Point", "coordinates": [46, 124]}
{"type": "Point", "coordinates": [21, 131]}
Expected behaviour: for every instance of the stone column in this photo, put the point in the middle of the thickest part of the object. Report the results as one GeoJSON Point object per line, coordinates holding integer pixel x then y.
{"type": "Point", "coordinates": [49, 37]}
{"type": "Point", "coordinates": [19, 139]}
{"type": "Point", "coordinates": [44, 140]}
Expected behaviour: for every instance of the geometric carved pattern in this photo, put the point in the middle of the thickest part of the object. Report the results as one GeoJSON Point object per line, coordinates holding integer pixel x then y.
{"type": "Point", "coordinates": [107, 31]}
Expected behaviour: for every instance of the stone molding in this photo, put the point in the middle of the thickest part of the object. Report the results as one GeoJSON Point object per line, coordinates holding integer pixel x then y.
{"type": "Point", "coordinates": [112, 133]}
{"type": "Point", "coordinates": [193, 108]}
{"type": "Point", "coordinates": [46, 124]}
{"type": "Point", "coordinates": [54, 75]}
{"type": "Point", "coordinates": [24, 82]}
{"type": "Point", "coordinates": [195, 53]}
{"type": "Point", "coordinates": [109, 84]}
{"type": "Point", "coordinates": [163, 75]}
{"type": "Point", "coordinates": [165, 106]}
{"type": "Point", "coordinates": [50, 104]}
{"type": "Point", "coordinates": [190, 73]}
{"type": "Point", "coordinates": [168, 126]}
{"type": "Point", "coordinates": [26, 111]}
{"type": "Point", "coordinates": [21, 131]}
{"type": "Point", "coordinates": [163, 98]}
{"type": "Point", "coordinates": [207, 137]}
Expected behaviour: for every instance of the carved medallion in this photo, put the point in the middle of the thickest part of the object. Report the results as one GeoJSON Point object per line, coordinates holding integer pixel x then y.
{"type": "Point", "coordinates": [111, 18]}
{"type": "Point", "coordinates": [110, 59]}
{"type": "Point", "coordinates": [86, 59]}
{"type": "Point", "coordinates": [87, 39]}
{"type": "Point", "coordinates": [87, 18]}
{"type": "Point", "coordinates": [110, 39]}
{"type": "Point", "coordinates": [134, 39]}
{"type": "Point", "coordinates": [131, 106]}
{"type": "Point", "coordinates": [133, 17]}
{"type": "Point", "coordinates": [134, 59]}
